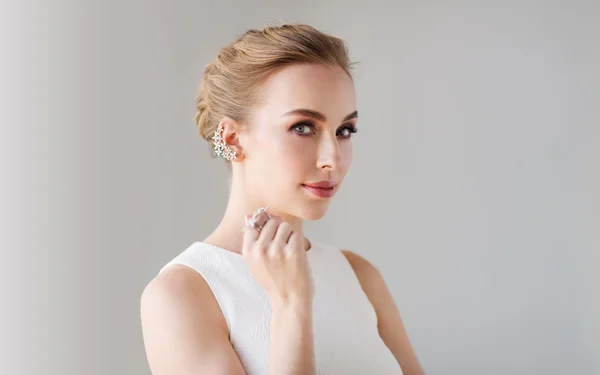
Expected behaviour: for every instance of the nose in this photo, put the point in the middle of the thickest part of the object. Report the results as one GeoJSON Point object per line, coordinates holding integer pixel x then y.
{"type": "Point", "coordinates": [329, 154]}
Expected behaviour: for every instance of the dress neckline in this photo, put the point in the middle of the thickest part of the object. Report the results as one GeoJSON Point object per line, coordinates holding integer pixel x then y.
{"type": "Point", "coordinates": [311, 249]}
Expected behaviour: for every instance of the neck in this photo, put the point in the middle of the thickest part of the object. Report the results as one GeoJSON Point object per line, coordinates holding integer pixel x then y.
{"type": "Point", "coordinates": [228, 234]}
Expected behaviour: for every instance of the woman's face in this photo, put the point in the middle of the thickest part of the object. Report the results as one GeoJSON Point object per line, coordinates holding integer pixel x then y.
{"type": "Point", "coordinates": [300, 135]}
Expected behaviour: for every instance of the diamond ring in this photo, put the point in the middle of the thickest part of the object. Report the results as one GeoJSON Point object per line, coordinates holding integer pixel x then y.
{"type": "Point", "coordinates": [259, 218]}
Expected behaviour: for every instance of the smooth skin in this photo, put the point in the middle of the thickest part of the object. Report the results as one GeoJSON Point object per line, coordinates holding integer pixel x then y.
{"type": "Point", "coordinates": [184, 330]}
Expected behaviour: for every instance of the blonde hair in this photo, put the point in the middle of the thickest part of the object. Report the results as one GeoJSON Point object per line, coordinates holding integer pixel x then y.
{"type": "Point", "coordinates": [231, 83]}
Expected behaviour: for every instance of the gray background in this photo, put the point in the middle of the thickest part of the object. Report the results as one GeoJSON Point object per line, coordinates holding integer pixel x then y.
{"type": "Point", "coordinates": [476, 167]}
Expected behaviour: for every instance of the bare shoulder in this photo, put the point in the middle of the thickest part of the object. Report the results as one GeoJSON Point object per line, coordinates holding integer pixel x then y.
{"type": "Point", "coordinates": [368, 275]}
{"type": "Point", "coordinates": [373, 284]}
{"type": "Point", "coordinates": [359, 263]}
{"type": "Point", "coordinates": [183, 328]}
{"type": "Point", "coordinates": [178, 290]}
{"type": "Point", "coordinates": [389, 322]}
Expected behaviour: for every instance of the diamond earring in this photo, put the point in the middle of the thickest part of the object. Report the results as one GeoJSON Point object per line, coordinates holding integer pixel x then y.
{"type": "Point", "coordinates": [221, 148]}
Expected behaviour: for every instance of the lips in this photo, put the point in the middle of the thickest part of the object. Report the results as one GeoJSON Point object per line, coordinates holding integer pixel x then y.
{"type": "Point", "coordinates": [322, 189]}
{"type": "Point", "coordinates": [322, 184]}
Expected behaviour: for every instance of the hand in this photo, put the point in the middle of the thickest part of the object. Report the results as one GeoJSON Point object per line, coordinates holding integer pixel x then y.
{"type": "Point", "coordinates": [277, 259]}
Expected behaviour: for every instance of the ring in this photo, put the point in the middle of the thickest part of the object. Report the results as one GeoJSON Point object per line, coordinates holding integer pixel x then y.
{"type": "Point", "coordinates": [259, 218]}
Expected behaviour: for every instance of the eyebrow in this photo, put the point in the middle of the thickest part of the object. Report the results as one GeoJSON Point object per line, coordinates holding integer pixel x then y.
{"type": "Point", "coordinates": [317, 115]}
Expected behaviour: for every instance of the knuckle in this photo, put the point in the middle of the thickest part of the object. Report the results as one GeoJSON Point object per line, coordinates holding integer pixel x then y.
{"type": "Point", "coordinates": [258, 255]}
{"type": "Point", "coordinates": [261, 248]}
{"type": "Point", "coordinates": [274, 251]}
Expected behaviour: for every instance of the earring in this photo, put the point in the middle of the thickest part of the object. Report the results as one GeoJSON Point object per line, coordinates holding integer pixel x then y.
{"type": "Point", "coordinates": [221, 148]}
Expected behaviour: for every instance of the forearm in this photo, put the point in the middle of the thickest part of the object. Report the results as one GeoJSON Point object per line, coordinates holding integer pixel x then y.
{"type": "Point", "coordinates": [291, 348]}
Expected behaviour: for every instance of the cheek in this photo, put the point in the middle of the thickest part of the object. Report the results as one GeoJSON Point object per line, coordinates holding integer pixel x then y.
{"type": "Point", "coordinates": [297, 153]}
{"type": "Point", "coordinates": [284, 153]}
{"type": "Point", "coordinates": [346, 152]}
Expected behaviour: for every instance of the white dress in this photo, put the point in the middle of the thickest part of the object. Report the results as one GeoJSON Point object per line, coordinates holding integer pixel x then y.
{"type": "Point", "coordinates": [344, 322]}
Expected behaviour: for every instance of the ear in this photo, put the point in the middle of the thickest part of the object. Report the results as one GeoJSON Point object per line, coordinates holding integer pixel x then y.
{"type": "Point", "coordinates": [231, 136]}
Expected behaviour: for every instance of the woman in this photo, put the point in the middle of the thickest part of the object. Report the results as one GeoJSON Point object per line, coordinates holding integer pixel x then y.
{"type": "Point", "coordinates": [256, 296]}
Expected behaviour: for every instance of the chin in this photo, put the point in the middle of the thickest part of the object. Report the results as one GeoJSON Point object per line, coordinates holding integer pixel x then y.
{"type": "Point", "coordinates": [313, 211]}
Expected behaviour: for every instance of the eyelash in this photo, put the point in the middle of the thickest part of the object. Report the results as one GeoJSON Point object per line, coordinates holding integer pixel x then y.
{"type": "Point", "coordinates": [351, 128]}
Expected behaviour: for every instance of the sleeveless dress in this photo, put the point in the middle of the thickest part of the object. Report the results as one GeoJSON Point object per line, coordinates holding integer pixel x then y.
{"type": "Point", "coordinates": [344, 322]}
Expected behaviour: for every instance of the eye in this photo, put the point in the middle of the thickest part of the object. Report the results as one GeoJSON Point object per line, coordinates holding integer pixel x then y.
{"type": "Point", "coordinates": [346, 131]}
{"type": "Point", "coordinates": [303, 128]}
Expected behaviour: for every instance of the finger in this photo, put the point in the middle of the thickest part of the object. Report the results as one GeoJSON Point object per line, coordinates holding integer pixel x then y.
{"type": "Point", "coordinates": [250, 234]}
{"type": "Point", "coordinates": [295, 242]}
{"type": "Point", "coordinates": [268, 232]}
{"type": "Point", "coordinates": [246, 222]}
{"type": "Point", "coordinates": [249, 238]}
{"type": "Point", "coordinates": [284, 230]}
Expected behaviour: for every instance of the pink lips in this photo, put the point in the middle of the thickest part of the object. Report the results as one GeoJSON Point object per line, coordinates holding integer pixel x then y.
{"type": "Point", "coordinates": [322, 189]}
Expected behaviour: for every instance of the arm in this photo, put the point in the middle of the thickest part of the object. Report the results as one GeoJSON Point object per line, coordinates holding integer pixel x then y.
{"type": "Point", "coordinates": [185, 332]}
{"type": "Point", "coordinates": [389, 322]}
{"type": "Point", "coordinates": [291, 349]}
{"type": "Point", "coordinates": [277, 259]}
{"type": "Point", "coordinates": [183, 327]}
